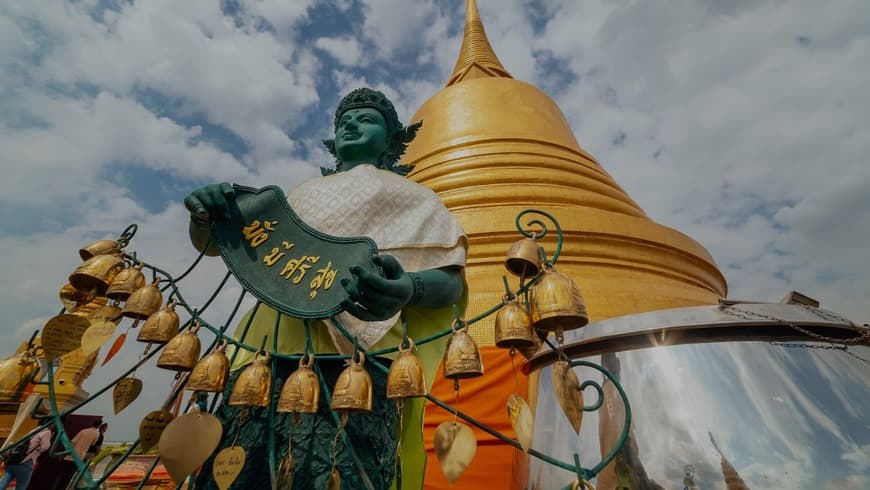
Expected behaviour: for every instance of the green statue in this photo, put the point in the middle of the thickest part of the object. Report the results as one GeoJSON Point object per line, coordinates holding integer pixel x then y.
{"type": "Point", "coordinates": [423, 251]}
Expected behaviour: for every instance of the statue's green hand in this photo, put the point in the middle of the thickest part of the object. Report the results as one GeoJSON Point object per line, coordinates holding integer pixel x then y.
{"type": "Point", "coordinates": [373, 297]}
{"type": "Point", "coordinates": [211, 201]}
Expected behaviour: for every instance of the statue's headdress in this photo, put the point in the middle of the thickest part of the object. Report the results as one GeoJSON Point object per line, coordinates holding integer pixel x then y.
{"type": "Point", "coordinates": [399, 136]}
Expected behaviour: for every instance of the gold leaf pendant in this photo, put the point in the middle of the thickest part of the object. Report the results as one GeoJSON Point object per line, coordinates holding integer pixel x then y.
{"type": "Point", "coordinates": [567, 389]}
{"type": "Point", "coordinates": [521, 420]}
{"type": "Point", "coordinates": [455, 447]}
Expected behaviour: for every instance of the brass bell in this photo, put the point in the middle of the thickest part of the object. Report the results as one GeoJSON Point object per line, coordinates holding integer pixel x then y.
{"type": "Point", "coordinates": [462, 357]}
{"type": "Point", "coordinates": [406, 377]}
{"type": "Point", "coordinates": [254, 386]}
{"type": "Point", "coordinates": [513, 327]}
{"type": "Point", "coordinates": [160, 327]}
{"type": "Point", "coordinates": [181, 353]}
{"type": "Point", "coordinates": [556, 303]}
{"type": "Point", "coordinates": [353, 388]}
{"type": "Point", "coordinates": [72, 298]}
{"type": "Point", "coordinates": [523, 258]}
{"type": "Point", "coordinates": [89, 307]}
{"type": "Point", "coordinates": [99, 247]}
{"type": "Point", "coordinates": [211, 372]}
{"type": "Point", "coordinates": [144, 302]}
{"type": "Point", "coordinates": [15, 374]}
{"type": "Point", "coordinates": [94, 275]}
{"type": "Point", "coordinates": [301, 391]}
{"type": "Point", "coordinates": [126, 283]}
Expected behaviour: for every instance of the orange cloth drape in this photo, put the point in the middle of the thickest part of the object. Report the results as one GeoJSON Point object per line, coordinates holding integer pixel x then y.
{"type": "Point", "coordinates": [496, 464]}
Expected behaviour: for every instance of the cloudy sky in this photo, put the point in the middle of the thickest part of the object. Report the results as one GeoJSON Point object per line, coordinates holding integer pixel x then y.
{"type": "Point", "coordinates": [739, 122]}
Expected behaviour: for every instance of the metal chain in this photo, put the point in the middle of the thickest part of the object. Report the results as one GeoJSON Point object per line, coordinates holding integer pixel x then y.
{"type": "Point", "coordinates": [862, 337]}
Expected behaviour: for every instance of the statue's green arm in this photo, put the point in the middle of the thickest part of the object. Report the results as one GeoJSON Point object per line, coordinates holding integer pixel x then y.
{"type": "Point", "coordinates": [372, 297]}
{"type": "Point", "coordinates": [441, 286]}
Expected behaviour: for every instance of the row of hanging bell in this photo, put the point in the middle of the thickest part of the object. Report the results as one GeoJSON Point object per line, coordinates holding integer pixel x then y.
{"type": "Point", "coordinates": [555, 301]}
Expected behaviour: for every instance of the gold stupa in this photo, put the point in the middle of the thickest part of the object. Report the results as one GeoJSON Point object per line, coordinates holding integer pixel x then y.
{"type": "Point", "coordinates": [492, 146]}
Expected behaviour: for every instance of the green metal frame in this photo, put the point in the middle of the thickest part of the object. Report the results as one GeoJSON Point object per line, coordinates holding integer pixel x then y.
{"type": "Point", "coordinates": [84, 475]}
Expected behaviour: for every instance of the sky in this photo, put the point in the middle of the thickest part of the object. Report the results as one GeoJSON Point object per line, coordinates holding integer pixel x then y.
{"type": "Point", "coordinates": [741, 123]}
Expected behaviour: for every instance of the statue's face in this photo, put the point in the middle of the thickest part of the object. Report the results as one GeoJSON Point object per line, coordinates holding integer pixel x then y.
{"type": "Point", "coordinates": [361, 136]}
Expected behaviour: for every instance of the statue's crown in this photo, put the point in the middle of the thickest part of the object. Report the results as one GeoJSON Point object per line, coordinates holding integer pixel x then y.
{"type": "Point", "coordinates": [366, 97]}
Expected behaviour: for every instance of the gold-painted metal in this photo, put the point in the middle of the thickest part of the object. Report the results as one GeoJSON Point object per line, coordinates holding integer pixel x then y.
{"type": "Point", "coordinates": [182, 352]}
{"type": "Point", "coordinates": [462, 357]}
{"type": "Point", "coordinates": [99, 247]}
{"type": "Point", "coordinates": [94, 275]}
{"type": "Point", "coordinates": [556, 303]}
{"type": "Point", "coordinates": [72, 298]}
{"type": "Point", "coordinates": [96, 335]}
{"type": "Point", "coordinates": [144, 302]}
{"type": "Point", "coordinates": [568, 393]}
{"type": "Point", "coordinates": [513, 327]}
{"type": "Point", "coordinates": [211, 372]}
{"type": "Point", "coordinates": [455, 447]}
{"type": "Point", "coordinates": [160, 327]}
{"type": "Point", "coordinates": [228, 463]}
{"type": "Point", "coordinates": [125, 392]}
{"type": "Point", "coordinates": [406, 377]}
{"type": "Point", "coordinates": [523, 258]}
{"type": "Point", "coordinates": [254, 386]}
{"type": "Point", "coordinates": [152, 427]}
{"type": "Point", "coordinates": [476, 56]}
{"type": "Point", "coordinates": [15, 374]}
{"type": "Point", "coordinates": [126, 283]}
{"type": "Point", "coordinates": [187, 442]}
{"type": "Point", "coordinates": [63, 334]}
{"type": "Point", "coordinates": [522, 420]}
{"type": "Point", "coordinates": [353, 388]}
{"type": "Point", "coordinates": [334, 480]}
{"type": "Point", "coordinates": [301, 391]}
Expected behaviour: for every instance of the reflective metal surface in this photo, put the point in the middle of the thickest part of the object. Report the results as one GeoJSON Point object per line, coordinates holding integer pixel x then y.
{"type": "Point", "coordinates": [721, 399]}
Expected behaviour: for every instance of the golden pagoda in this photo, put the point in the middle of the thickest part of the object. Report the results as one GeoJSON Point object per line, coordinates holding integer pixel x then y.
{"type": "Point", "coordinates": [492, 146]}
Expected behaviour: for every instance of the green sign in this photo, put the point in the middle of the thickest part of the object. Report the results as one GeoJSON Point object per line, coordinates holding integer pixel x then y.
{"type": "Point", "coordinates": [282, 261]}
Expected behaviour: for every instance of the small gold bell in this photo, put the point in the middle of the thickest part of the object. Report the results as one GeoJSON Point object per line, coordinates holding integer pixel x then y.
{"type": "Point", "coordinates": [556, 303]}
{"type": "Point", "coordinates": [72, 298]}
{"type": "Point", "coordinates": [462, 357]}
{"type": "Point", "coordinates": [94, 275]}
{"type": "Point", "coordinates": [181, 353]}
{"type": "Point", "coordinates": [99, 247]}
{"type": "Point", "coordinates": [15, 374]}
{"type": "Point", "coordinates": [160, 327]}
{"type": "Point", "coordinates": [211, 372]}
{"type": "Point", "coordinates": [353, 388]}
{"type": "Point", "coordinates": [86, 309]}
{"type": "Point", "coordinates": [406, 377]}
{"type": "Point", "coordinates": [523, 258]}
{"type": "Point", "coordinates": [301, 391]}
{"type": "Point", "coordinates": [144, 302]}
{"type": "Point", "coordinates": [254, 386]}
{"type": "Point", "coordinates": [126, 283]}
{"type": "Point", "coordinates": [513, 327]}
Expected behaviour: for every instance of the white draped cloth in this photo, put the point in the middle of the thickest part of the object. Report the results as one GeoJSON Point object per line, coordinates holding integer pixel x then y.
{"type": "Point", "coordinates": [405, 219]}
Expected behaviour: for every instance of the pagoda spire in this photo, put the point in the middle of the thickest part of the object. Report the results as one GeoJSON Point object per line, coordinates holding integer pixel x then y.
{"type": "Point", "coordinates": [476, 57]}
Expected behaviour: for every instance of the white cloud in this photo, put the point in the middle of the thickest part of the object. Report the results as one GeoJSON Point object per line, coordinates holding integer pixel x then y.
{"type": "Point", "coordinates": [345, 50]}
